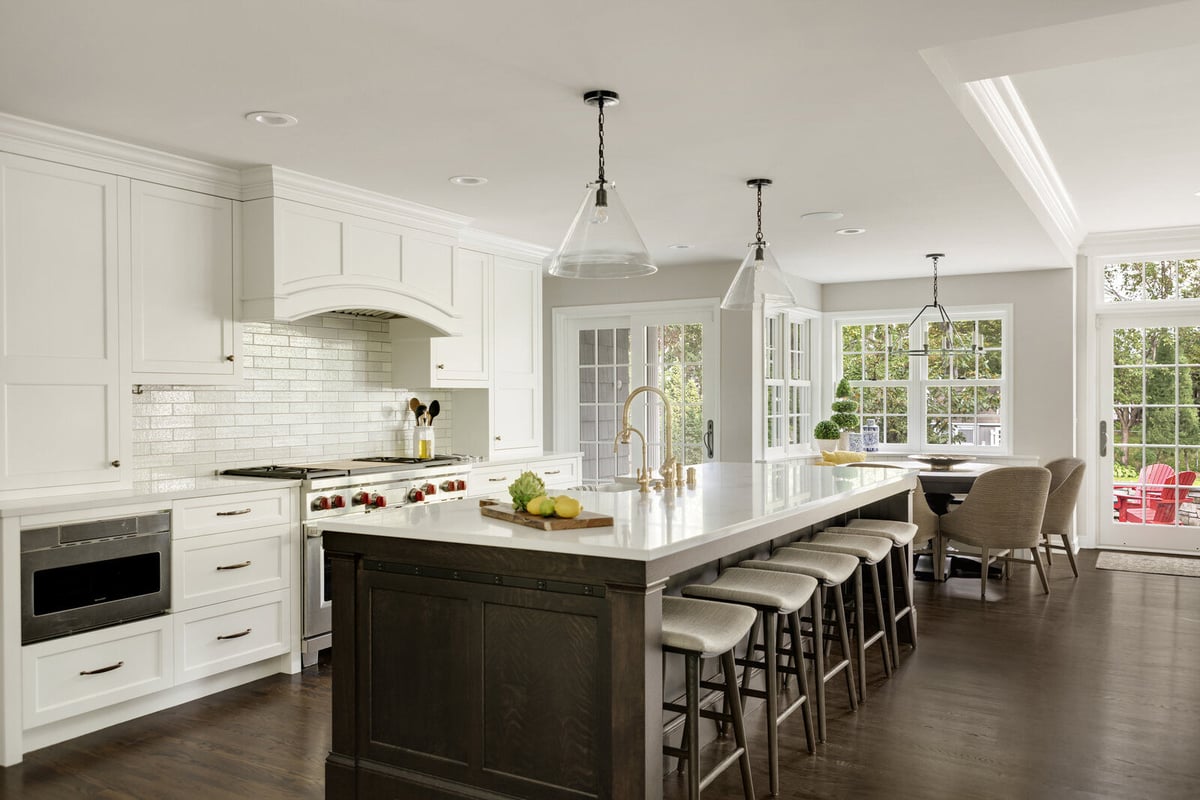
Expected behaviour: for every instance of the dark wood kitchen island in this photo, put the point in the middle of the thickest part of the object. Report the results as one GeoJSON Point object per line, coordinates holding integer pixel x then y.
{"type": "Point", "coordinates": [477, 658]}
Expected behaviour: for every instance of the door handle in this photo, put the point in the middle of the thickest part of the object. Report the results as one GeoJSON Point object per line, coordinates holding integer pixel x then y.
{"type": "Point", "coordinates": [1103, 438]}
{"type": "Point", "coordinates": [708, 439]}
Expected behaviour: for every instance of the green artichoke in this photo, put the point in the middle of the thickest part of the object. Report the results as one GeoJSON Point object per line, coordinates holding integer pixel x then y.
{"type": "Point", "coordinates": [525, 488]}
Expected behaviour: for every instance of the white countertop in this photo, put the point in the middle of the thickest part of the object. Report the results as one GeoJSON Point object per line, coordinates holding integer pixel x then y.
{"type": "Point", "coordinates": [155, 492]}
{"type": "Point", "coordinates": [730, 499]}
{"type": "Point", "coordinates": [500, 462]}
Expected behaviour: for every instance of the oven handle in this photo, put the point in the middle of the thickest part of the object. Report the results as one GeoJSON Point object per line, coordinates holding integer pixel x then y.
{"type": "Point", "coordinates": [102, 670]}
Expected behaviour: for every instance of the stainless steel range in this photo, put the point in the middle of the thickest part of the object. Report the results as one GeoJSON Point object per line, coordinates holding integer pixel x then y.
{"type": "Point", "coordinates": [358, 486]}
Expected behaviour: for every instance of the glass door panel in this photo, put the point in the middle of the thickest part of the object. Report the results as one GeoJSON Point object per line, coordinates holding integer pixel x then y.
{"type": "Point", "coordinates": [1151, 404]}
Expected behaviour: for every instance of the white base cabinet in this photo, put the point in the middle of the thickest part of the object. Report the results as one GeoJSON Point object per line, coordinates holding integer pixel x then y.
{"type": "Point", "coordinates": [220, 637]}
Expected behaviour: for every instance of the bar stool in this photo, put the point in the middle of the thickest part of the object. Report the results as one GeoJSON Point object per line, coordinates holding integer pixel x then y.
{"type": "Point", "coordinates": [831, 571]}
{"type": "Point", "coordinates": [771, 594]}
{"type": "Point", "coordinates": [871, 551]}
{"type": "Point", "coordinates": [700, 629]}
{"type": "Point", "coordinates": [901, 535]}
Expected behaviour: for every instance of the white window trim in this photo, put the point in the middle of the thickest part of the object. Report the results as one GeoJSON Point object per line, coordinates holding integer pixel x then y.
{"type": "Point", "coordinates": [917, 381]}
{"type": "Point", "coordinates": [565, 389]}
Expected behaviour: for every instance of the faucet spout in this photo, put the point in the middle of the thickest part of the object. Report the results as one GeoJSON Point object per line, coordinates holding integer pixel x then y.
{"type": "Point", "coordinates": [668, 466]}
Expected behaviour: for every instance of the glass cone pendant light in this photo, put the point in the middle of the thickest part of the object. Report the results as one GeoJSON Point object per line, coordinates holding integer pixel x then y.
{"type": "Point", "coordinates": [760, 275]}
{"type": "Point", "coordinates": [950, 341]}
{"type": "Point", "coordinates": [602, 241]}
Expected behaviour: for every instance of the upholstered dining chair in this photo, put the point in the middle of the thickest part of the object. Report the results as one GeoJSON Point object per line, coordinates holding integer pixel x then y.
{"type": "Point", "coordinates": [1002, 513]}
{"type": "Point", "coordinates": [1066, 478]}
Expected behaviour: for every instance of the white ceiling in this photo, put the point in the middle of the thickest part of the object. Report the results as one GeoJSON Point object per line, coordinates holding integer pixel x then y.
{"type": "Point", "coordinates": [830, 98]}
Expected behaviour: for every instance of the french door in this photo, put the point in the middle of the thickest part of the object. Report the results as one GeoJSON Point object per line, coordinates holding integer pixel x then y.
{"type": "Point", "coordinates": [602, 353]}
{"type": "Point", "coordinates": [1150, 432]}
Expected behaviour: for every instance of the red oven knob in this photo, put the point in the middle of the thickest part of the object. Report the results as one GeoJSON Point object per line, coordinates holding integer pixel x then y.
{"type": "Point", "coordinates": [447, 486]}
{"type": "Point", "coordinates": [430, 489]}
{"type": "Point", "coordinates": [416, 496]}
{"type": "Point", "coordinates": [379, 500]}
{"type": "Point", "coordinates": [362, 498]}
{"type": "Point", "coordinates": [338, 501]}
{"type": "Point", "coordinates": [320, 503]}
{"type": "Point", "coordinates": [460, 486]}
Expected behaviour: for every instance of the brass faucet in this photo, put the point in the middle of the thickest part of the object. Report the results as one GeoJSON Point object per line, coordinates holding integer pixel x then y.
{"type": "Point", "coordinates": [668, 465]}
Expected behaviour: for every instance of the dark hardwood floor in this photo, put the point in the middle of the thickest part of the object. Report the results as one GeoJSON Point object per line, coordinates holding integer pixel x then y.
{"type": "Point", "coordinates": [1091, 692]}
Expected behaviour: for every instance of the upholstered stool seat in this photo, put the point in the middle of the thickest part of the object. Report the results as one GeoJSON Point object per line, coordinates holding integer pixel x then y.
{"type": "Point", "coordinates": [702, 629]}
{"type": "Point", "coordinates": [771, 594]}
{"type": "Point", "coordinates": [902, 535]}
{"type": "Point", "coordinates": [831, 570]}
{"type": "Point", "coordinates": [871, 552]}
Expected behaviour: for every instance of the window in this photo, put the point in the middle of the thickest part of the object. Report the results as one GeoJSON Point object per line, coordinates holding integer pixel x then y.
{"type": "Point", "coordinates": [940, 401]}
{"type": "Point", "coordinates": [1141, 281]}
{"type": "Point", "coordinates": [787, 382]}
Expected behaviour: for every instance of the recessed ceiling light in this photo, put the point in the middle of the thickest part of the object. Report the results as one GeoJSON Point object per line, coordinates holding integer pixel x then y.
{"type": "Point", "coordinates": [272, 119]}
{"type": "Point", "coordinates": [679, 246]}
{"type": "Point", "coordinates": [822, 216]}
{"type": "Point", "coordinates": [468, 180]}
{"type": "Point", "coordinates": [850, 231]}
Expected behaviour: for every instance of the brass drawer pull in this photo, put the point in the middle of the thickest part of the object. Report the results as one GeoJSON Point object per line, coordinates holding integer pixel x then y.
{"type": "Point", "coordinates": [233, 566]}
{"type": "Point", "coordinates": [237, 513]}
{"type": "Point", "coordinates": [103, 670]}
{"type": "Point", "coordinates": [223, 637]}
{"type": "Point", "coordinates": [498, 480]}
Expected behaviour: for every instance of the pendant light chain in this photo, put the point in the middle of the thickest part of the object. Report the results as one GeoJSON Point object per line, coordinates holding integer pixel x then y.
{"type": "Point", "coordinates": [935, 300]}
{"type": "Point", "coordinates": [600, 104]}
{"type": "Point", "coordinates": [759, 236]}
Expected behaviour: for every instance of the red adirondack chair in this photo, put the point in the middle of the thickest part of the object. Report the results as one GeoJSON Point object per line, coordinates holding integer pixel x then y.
{"type": "Point", "coordinates": [1149, 485]}
{"type": "Point", "coordinates": [1161, 509]}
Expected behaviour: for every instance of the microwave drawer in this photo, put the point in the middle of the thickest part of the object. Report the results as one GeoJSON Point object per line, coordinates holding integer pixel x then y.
{"type": "Point", "coordinates": [198, 516]}
{"type": "Point", "coordinates": [76, 674]}
{"type": "Point", "coordinates": [226, 566]}
{"type": "Point", "coordinates": [227, 635]}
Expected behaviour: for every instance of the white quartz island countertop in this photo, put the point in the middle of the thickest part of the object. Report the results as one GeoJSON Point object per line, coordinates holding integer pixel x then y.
{"type": "Point", "coordinates": [734, 505]}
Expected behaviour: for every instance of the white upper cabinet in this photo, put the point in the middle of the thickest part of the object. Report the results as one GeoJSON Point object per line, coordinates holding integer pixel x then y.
{"type": "Point", "coordinates": [451, 361]}
{"type": "Point", "coordinates": [183, 282]}
{"type": "Point", "coordinates": [61, 407]}
{"type": "Point", "coordinates": [517, 353]}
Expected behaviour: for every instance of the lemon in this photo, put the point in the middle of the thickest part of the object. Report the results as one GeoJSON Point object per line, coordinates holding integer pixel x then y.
{"type": "Point", "coordinates": [567, 507]}
{"type": "Point", "coordinates": [534, 506]}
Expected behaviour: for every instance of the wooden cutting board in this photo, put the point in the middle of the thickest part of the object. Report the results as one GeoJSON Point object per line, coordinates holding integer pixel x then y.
{"type": "Point", "coordinates": [504, 511]}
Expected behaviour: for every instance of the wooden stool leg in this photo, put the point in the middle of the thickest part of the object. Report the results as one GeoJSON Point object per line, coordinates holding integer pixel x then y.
{"type": "Point", "coordinates": [889, 608]}
{"type": "Point", "coordinates": [905, 554]}
{"type": "Point", "coordinates": [860, 633]}
{"type": "Point", "coordinates": [802, 674]}
{"type": "Point", "coordinates": [818, 616]}
{"type": "Point", "coordinates": [692, 725]}
{"type": "Point", "coordinates": [879, 613]}
{"type": "Point", "coordinates": [729, 668]}
{"type": "Point", "coordinates": [770, 622]}
{"type": "Point", "coordinates": [844, 639]}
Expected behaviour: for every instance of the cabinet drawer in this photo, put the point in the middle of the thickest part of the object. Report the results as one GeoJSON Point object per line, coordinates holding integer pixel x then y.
{"type": "Point", "coordinates": [197, 516]}
{"type": "Point", "coordinates": [226, 566]}
{"type": "Point", "coordinates": [87, 671]}
{"type": "Point", "coordinates": [490, 480]}
{"type": "Point", "coordinates": [559, 472]}
{"type": "Point", "coordinates": [220, 637]}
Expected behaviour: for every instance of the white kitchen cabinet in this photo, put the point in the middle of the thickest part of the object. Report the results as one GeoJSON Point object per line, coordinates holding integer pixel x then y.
{"type": "Point", "coordinates": [61, 404]}
{"type": "Point", "coordinates": [182, 291]}
{"type": "Point", "coordinates": [517, 352]}
{"type": "Point", "coordinates": [220, 637]}
{"type": "Point", "coordinates": [225, 566]}
{"type": "Point", "coordinates": [451, 362]}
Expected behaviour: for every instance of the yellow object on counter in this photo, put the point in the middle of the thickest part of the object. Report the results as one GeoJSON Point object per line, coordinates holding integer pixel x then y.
{"type": "Point", "coordinates": [835, 457]}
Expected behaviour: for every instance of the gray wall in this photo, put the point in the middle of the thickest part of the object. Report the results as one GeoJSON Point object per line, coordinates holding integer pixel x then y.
{"type": "Point", "coordinates": [676, 283]}
{"type": "Point", "coordinates": [1043, 341]}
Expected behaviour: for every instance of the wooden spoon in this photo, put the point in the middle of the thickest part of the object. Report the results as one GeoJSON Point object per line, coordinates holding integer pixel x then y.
{"type": "Point", "coordinates": [413, 405]}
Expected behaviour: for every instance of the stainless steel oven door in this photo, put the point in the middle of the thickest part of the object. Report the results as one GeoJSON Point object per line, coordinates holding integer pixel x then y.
{"type": "Point", "coordinates": [318, 601]}
{"type": "Point", "coordinates": [77, 587]}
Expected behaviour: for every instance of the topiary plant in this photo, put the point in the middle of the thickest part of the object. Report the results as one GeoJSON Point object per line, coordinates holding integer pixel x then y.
{"type": "Point", "coordinates": [844, 407]}
{"type": "Point", "coordinates": [826, 429]}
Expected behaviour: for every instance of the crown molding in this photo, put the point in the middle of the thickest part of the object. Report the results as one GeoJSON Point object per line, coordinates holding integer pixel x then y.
{"type": "Point", "coordinates": [503, 245]}
{"type": "Point", "coordinates": [272, 181]}
{"type": "Point", "coordinates": [52, 143]}
{"type": "Point", "coordinates": [1144, 242]}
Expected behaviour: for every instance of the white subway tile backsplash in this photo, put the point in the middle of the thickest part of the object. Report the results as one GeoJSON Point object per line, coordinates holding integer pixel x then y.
{"type": "Point", "coordinates": [314, 391]}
